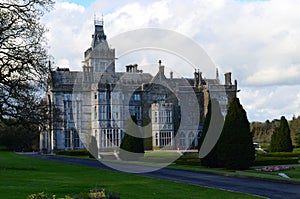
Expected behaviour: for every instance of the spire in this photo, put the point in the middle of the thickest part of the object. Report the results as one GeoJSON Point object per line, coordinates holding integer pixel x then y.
{"type": "Point", "coordinates": [98, 35]}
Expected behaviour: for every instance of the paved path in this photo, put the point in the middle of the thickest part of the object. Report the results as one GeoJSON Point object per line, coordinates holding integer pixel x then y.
{"type": "Point", "coordinates": [259, 187]}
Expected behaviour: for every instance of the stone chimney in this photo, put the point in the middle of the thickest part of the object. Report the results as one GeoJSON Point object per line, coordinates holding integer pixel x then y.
{"type": "Point", "coordinates": [171, 75]}
{"type": "Point", "coordinates": [228, 78]}
{"type": "Point", "coordinates": [196, 78]}
{"type": "Point", "coordinates": [135, 67]}
{"type": "Point", "coordinates": [161, 67]}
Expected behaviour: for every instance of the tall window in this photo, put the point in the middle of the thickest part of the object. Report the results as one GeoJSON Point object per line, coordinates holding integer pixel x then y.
{"type": "Point", "coordinates": [138, 112]}
{"type": "Point", "coordinates": [165, 138]}
{"type": "Point", "coordinates": [191, 138]}
{"type": "Point", "coordinates": [102, 95]}
{"type": "Point", "coordinates": [76, 139]}
{"type": "Point", "coordinates": [181, 139]}
{"type": "Point", "coordinates": [156, 139]}
{"type": "Point", "coordinates": [102, 113]}
{"type": "Point", "coordinates": [110, 138]}
{"type": "Point", "coordinates": [70, 110]}
{"type": "Point", "coordinates": [136, 97]}
{"type": "Point", "coordinates": [67, 138]}
{"type": "Point", "coordinates": [155, 117]}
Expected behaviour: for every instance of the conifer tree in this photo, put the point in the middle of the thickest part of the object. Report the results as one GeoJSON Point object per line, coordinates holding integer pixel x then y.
{"type": "Point", "coordinates": [213, 123]}
{"type": "Point", "coordinates": [281, 138]}
{"type": "Point", "coordinates": [235, 148]}
{"type": "Point", "coordinates": [93, 148]}
{"type": "Point", "coordinates": [132, 145]}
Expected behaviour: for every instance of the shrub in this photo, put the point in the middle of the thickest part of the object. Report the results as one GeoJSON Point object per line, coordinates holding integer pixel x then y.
{"type": "Point", "coordinates": [213, 124]}
{"type": "Point", "coordinates": [73, 153]}
{"type": "Point", "coordinates": [235, 146]}
{"type": "Point", "coordinates": [41, 195]}
{"type": "Point", "coordinates": [281, 138]}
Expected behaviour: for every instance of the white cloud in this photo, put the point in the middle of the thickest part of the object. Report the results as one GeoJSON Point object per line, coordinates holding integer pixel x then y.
{"type": "Point", "coordinates": [258, 41]}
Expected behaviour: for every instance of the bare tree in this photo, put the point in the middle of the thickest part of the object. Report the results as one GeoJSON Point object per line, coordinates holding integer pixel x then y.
{"type": "Point", "coordinates": [23, 58]}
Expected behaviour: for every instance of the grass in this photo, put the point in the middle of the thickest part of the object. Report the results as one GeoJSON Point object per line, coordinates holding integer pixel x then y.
{"type": "Point", "coordinates": [21, 176]}
{"type": "Point", "coordinates": [296, 150]}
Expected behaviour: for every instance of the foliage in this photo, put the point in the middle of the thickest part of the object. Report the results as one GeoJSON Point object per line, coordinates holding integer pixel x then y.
{"type": "Point", "coordinates": [92, 194]}
{"type": "Point", "coordinates": [295, 131]}
{"type": "Point", "coordinates": [19, 137]}
{"type": "Point", "coordinates": [212, 126]}
{"type": "Point", "coordinates": [235, 148]}
{"type": "Point", "coordinates": [276, 158]}
{"type": "Point", "coordinates": [40, 195]}
{"type": "Point", "coordinates": [22, 58]}
{"type": "Point", "coordinates": [264, 161]}
{"type": "Point", "coordinates": [147, 132]}
{"type": "Point", "coordinates": [132, 145]}
{"type": "Point", "coordinates": [73, 153]}
{"type": "Point", "coordinates": [262, 131]}
{"type": "Point", "coordinates": [281, 138]}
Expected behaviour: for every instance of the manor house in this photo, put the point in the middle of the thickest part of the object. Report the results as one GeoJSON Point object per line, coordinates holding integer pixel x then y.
{"type": "Point", "coordinates": [98, 102]}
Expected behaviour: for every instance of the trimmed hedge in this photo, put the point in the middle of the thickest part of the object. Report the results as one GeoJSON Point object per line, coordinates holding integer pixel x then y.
{"type": "Point", "coordinates": [279, 154]}
{"type": "Point", "coordinates": [276, 158]}
{"type": "Point", "coordinates": [265, 161]}
{"type": "Point", "coordinates": [74, 153]}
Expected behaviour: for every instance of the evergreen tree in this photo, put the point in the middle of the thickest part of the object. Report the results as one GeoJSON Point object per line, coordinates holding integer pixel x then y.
{"type": "Point", "coordinates": [235, 148]}
{"type": "Point", "coordinates": [213, 124]}
{"type": "Point", "coordinates": [281, 138]}
{"type": "Point", "coordinates": [132, 145]}
{"type": "Point", "coordinates": [93, 148]}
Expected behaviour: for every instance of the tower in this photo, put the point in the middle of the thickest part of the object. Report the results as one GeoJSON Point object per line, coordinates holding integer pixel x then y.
{"type": "Point", "coordinates": [99, 58]}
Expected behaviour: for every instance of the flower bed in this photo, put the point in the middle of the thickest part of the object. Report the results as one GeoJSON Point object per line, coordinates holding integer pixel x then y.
{"type": "Point", "coordinates": [93, 194]}
{"type": "Point", "coordinates": [275, 168]}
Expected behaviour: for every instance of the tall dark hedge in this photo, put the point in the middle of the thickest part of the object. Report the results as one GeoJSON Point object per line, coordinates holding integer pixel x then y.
{"type": "Point", "coordinates": [281, 138]}
{"type": "Point", "coordinates": [213, 123]}
{"type": "Point", "coordinates": [132, 147]}
{"type": "Point", "coordinates": [235, 148]}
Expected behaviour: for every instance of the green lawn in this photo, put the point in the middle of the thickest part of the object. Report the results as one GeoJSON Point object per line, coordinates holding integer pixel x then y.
{"type": "Point", "coordinates": [21, 175]}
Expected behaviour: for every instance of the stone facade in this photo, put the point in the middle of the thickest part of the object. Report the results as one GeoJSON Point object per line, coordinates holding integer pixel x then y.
{"type": "Point", "coordinates": [99, 101]}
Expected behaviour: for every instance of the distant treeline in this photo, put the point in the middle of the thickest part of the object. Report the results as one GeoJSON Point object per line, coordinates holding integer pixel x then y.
{"type": "Point", "coordinates": [262, 131]}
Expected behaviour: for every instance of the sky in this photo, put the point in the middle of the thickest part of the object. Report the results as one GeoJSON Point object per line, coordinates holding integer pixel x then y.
{"type": "Point", "coordinates": [257, 41]}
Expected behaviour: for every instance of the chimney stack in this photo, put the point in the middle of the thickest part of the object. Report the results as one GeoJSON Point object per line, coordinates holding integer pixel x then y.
{"type": "Point", "coordinates": [228, 78]}
{"type": "Point", "coordinates": [161, 67]}
{"type": "Point", "coordinates": [135, 66]}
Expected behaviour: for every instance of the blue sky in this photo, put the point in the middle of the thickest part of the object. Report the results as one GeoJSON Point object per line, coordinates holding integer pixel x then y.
{"type": "Point", "coordinates": [84, 3]}
{"type": "Point", "coordinates": [258, 41]}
